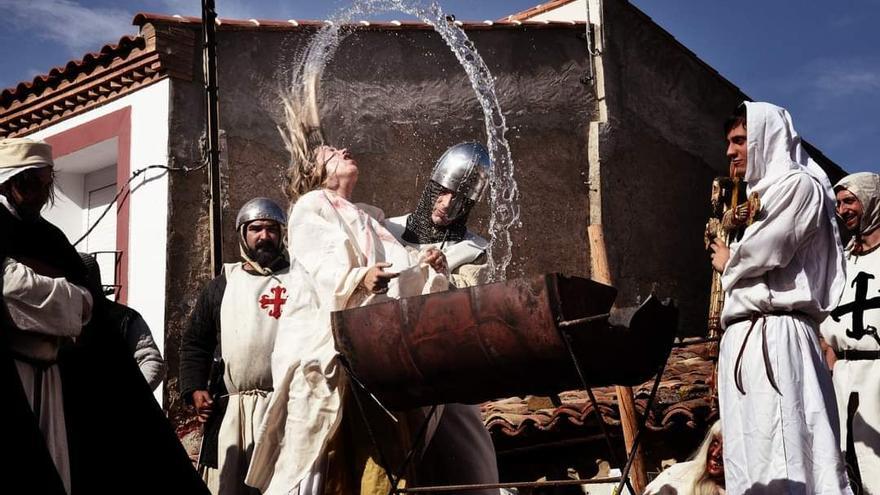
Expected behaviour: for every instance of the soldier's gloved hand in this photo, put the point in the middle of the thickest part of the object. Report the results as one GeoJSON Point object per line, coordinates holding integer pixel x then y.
{"type": "Point", "coordinates": [436, 259]}
{"type": "Point", "coordinates": [203, 404]}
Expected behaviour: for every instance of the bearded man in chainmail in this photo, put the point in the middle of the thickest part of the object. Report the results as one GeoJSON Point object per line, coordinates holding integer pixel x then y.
{"type": "Point", "coordinates": [236, 319]}
{"type": "Point", "coordinates": [460, 451]}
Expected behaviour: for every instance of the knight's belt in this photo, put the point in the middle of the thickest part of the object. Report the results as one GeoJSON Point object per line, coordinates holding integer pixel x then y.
{"type": "Point", "coordinates": [857, 355]}
{"type": "Point", "coordinates": [759, 314]}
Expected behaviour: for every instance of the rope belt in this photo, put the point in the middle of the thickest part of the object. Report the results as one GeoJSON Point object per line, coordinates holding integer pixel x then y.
{"type": "Point", "coordinates": [255, 391]}
{"type": "Point", "coordinates": [857, 355]}
{"type": "Point", "coordinates": [768, 368]}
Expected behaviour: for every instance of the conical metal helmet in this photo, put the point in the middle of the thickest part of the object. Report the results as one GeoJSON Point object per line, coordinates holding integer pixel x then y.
{"type": "Point", "coordinates": [260, 209]}
{"type": "Point", "coordinates": [464, 170]}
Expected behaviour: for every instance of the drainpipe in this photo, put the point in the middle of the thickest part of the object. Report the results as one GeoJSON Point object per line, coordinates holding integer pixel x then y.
{"type": "Point", "coordinates": [209, 53]}
{"type": "Point", "coordinates": [599, 267]}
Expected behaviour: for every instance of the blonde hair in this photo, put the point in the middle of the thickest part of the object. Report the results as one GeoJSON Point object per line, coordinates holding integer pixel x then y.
{"type": "Point", "coordinates": [703, 484]}
{"type": "Point", "coordinates": [303, 136]}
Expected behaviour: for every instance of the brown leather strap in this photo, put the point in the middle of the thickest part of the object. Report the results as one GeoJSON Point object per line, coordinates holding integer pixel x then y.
{"type": "Point", "coordinates": [765, 351]}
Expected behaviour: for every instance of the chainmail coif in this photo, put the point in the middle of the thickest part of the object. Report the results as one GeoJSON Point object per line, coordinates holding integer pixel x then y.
{"type": "Point", "coordinates": [421, 230]}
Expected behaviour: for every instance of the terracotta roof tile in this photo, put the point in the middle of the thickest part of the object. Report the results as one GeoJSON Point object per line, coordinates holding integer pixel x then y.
{"type": "Point", "coordinates": [682, 400]}
{"type": "Point", "coordinates": [71, 70]}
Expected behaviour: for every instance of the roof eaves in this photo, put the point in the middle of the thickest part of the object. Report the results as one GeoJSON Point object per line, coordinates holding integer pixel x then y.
{"type": "Point", "coordinates": [143, 18]}
{"type": "Point", "coordinates": [80, 85]}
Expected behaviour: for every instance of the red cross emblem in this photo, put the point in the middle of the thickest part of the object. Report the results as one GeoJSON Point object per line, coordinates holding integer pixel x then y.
{"type": "Point", "coordinates": [276, 302]}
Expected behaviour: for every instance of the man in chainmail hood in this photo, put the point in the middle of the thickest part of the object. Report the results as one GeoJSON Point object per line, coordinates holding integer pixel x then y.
{"type": "Point", "coordinates": [458, 181]}
{"type": "Point", "coordinates": [460, 450]}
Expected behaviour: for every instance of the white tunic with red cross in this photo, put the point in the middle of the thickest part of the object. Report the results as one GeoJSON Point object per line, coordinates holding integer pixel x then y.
{"type": "Point", "coordinates": [253, 307]}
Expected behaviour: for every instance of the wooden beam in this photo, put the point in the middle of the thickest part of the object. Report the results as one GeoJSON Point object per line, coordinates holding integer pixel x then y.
{"type": "Point", "coordinates": [601, 272]}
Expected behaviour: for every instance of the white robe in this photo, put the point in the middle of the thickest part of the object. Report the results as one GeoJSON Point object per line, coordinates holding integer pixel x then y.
{"type": "Point", "coordinates": [789, 260]}
{"type": "Point", "coordinates": [336, 242]}
{"type": "Point", "coordinates": [859, 377]}
{"type": "Point", "coordinates": [253, 308]}
{"type": "Point", "coordinates": [46, 311]}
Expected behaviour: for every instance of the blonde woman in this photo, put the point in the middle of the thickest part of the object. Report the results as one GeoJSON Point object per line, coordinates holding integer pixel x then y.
{"type": "Point", "coordinates": [702, 474]}
{"type": "Point", "coordinates": [353, 261]}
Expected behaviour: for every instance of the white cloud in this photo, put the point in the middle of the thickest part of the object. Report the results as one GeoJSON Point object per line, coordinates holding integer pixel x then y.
{"type": "Point", "coordinates": [846, 81]}
{"type": "Point", "coordinates": [78, 28]}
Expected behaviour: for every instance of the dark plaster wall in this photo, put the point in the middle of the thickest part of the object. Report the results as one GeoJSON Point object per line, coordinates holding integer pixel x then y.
{"type": "Point", "coordinates": [397, 99]}
{"type": "Point", "coordinates": [661, 147]}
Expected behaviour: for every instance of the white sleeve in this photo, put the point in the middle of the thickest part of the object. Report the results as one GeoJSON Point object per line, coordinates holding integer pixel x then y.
{"type": "Point", "coordinates": [47, 305]}
{"type": "Point", "coordinates": [318, 242]}
{"type": "Point", "coordinates": [790, 214]}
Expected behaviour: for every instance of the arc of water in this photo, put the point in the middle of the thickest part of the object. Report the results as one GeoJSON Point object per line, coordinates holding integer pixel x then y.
{"type": "Point", "coordinates": [504, 191]}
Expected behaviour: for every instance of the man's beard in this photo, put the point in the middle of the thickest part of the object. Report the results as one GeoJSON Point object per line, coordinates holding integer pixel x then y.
{"type": "Point", "coordinates": [264, 254]}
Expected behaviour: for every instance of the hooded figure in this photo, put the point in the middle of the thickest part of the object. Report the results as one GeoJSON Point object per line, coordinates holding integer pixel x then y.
{"type": "Point", "coordinates": [62, 362]}
{"type": "Point", "coordinates": [782, 278]}
{"type": "Point", "coordinates": [236, 319]}
{"type": "Point", "coordinates": [851, 332]}
{"type": "Point", "coordinates": [864, 187]}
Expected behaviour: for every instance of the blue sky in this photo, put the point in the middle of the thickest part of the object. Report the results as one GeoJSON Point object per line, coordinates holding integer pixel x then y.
{"type": "Point", "coordinates": [820, 59]}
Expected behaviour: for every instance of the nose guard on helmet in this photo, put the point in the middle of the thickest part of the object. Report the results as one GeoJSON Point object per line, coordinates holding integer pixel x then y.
{"type": "Point", "coordinates": [464, 170]}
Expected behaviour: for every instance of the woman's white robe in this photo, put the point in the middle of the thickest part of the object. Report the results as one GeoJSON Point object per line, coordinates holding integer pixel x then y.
{"type": "Point", "coordinates": [336, 242]}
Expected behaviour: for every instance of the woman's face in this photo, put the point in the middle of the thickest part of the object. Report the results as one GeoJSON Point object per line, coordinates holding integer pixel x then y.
{"type": "Point", "coordinates": [338, 163]}
{"type": "Point", "coordinates": [715, 459]}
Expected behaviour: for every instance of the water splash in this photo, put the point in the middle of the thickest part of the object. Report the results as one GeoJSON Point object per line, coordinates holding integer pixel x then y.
{"type": "Point", "coordinates": [503, 201]}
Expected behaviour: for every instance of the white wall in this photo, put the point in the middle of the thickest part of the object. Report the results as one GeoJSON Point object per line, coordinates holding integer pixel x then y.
{"type": "Point", "coordinates": [148, 201]}
{"type": "Point", "coordinates": [66, 213]}
{"type": "Point", "coordinates": [574, 11]}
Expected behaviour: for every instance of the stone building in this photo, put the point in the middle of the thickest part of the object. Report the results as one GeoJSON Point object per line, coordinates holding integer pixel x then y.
{"type": "Point", "coordinates": [611, 122]}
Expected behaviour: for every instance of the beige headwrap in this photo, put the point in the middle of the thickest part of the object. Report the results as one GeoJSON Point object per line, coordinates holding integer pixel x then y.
{"type": "Point", "coordinates": [866, 187]}
{"type": "Point", "coordinates": [20, 154]}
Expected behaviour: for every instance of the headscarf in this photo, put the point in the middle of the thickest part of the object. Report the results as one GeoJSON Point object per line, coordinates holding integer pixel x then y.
{"type": "Point", "coordinates": [775, 152]}
{"type": "Point", "coordinates": [866, 187]}
{"type": "Point", "coordinates": [20, 154]}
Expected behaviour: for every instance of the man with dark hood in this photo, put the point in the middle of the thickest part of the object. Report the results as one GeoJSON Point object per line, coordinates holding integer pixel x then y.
{"type": "Point", "coordinates": [782, 278]}
{"type": "Point", "coordinates": [460, 450]}
{"type": "Point", "coordinates": [79, 416]}
{"type": "Point", "coordinates": [237, 318]}
{"type": "Point", "coordinates": [851, 330]}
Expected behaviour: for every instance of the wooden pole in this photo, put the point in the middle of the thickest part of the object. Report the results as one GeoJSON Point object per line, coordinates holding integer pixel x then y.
{"type": "Point", "coordinates": [600, 272]}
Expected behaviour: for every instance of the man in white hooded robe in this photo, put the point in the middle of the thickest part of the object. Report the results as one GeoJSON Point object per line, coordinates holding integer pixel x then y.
{"type": "Point", "coordinates": [851, 331]}
{"type": "Point", "coordinates": [783, 277]}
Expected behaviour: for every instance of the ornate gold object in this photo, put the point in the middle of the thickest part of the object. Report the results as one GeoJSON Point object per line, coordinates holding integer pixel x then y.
{"type": "Point", "coordinates": [731, 214]}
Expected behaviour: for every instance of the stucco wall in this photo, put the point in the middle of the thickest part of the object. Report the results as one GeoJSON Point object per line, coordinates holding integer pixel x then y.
{"type": "Point", "coordinates": [398, 99]}
{"type": "Point", "coordinates": [659, 150]}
